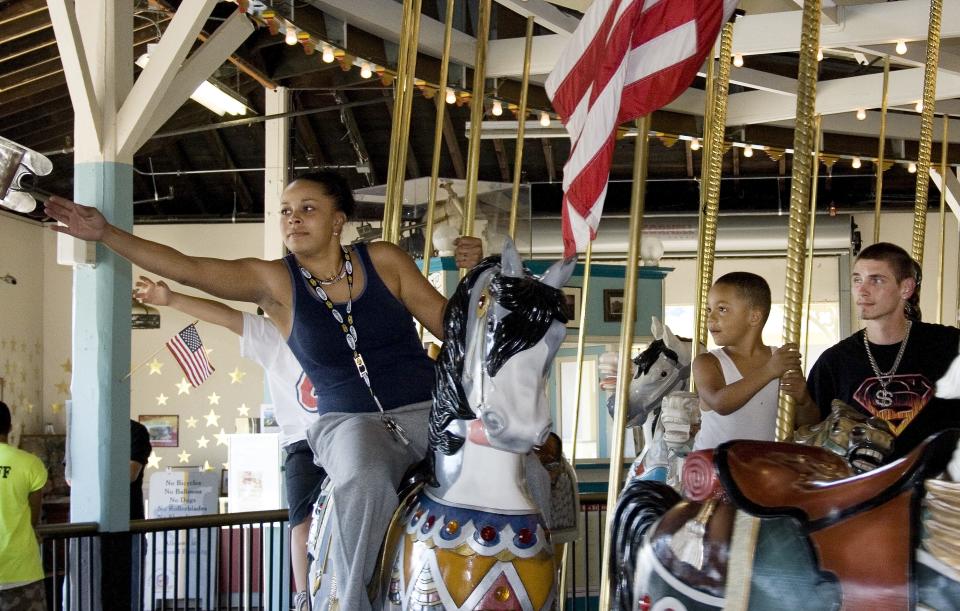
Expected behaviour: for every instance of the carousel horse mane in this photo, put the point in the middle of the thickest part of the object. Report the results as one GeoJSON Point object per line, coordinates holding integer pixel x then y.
{"type": "Point", "coordinates": [532, 306]}
{"type": "Point", "coordinates": [645, 360]}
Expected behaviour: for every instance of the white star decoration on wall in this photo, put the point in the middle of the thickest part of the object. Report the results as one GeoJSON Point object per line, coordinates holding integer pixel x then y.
{"type": "Point", "coordinates": [213, 419]}
{"type": "Point", "coordinates": [155, 367]}
{"type": "Point", "coordinates": [153, 462]}
{"type": "Point", "coordinates": [203, 441]}
{"type": "Point", "coordinates": [162, 399]}
{"type": "Point", "coordinates": [184, 456]}
{"type": "Point", "coordinates": [191, 422]}
{"type": "Point", "coordinates": [183, 387]}
{"type": "Point", "coordinates": [214, 399]}
{"type": "Point", "coordinates": [236, 376]}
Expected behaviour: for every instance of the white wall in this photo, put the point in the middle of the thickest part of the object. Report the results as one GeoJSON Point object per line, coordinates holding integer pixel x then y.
{"type": "Point", "coordinates": [21, 346]}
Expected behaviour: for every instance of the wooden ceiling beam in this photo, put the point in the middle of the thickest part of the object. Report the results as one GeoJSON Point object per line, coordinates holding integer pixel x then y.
{"type": "Point", "coordinates": [39, 85]}
{"type": "Point", "coordinates": [502, 160]}
{"type": "Point", "coordinates": [25, 25]}
{"type": "Point", "coordinates": [453, 147]}
{"type": "Point", "coordinates": [548, 159]}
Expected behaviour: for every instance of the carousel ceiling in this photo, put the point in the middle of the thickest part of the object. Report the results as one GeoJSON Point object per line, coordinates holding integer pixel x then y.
{"type": "Point", "coordinates": [331, 55]}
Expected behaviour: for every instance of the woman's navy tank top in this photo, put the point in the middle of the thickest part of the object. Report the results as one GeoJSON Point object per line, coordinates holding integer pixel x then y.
{"type": "Point", "coordinates": [400, 371]}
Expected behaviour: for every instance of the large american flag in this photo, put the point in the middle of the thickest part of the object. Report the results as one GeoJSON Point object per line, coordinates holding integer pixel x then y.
{"type": "Point", "coordinates": [187, 349]}
{"type": "Point", "coordinates": [626, 59]}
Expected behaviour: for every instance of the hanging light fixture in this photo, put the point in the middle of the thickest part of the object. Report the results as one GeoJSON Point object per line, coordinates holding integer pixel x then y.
{"type": "Point", "coordinates": [451, 96]}
{"type": "Point", "coordinates": [918, 106]}
{"type": "Point", "coordinates": [365, 70]}
{"type": "Point", "coordinates": [861, 114]}
{"type": "Point", "coordinates": [901, 47]}
{"type": "Point", "coordinates": [820, 54]}
{"type": "Point", "coordinates": [327, 54]}
{"type": "Point", "coordinates": [912, 167]}
{"type": "Point", "coordinates": [497, 108]}
{"type": "Point", "coordinates": [695, 144]}
{"type": "Point", "coordinates": [748, 150]}
{"type": "Point", "coordinates": [738, 60]}
{"type": "Point", "coordinates": [216, 98]}
{"type": "Point", "coordinates": [291, 37]}
{"type": "Point", "coordinates": [855, 163]}
{"type": "Point", "coordinates": [544, 118]}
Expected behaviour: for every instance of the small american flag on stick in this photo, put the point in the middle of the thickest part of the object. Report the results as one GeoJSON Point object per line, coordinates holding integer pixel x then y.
{"type": "Point", "coordinates": [187, 349]}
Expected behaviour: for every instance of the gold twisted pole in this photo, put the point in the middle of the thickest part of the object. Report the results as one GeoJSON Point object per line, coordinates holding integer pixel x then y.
{"type": "Point", "coordinates": [880, 151]}
{"type": "Point", "coordinates": [944, 149]}
{"type": "Point", "coordinates": [799, 195]}
{"type": "Point", "coordinates": [518, 154]}
{"type": "Point", "coordinates": [711, 172]}
{"type": "Point", "coordinates": [437, 139]}
{"type": "Point", "coordinates": [581, 342]}
{"type": "Point", "coordinates": [808, 275]}
{"type": "Point", "coordinates": [476, 118]}
{"type": "Point", "coordinates": [637, 194]}
{"type": "Point", "coordinates": [400, 130]}
{"type": "Point", "coordinates": [926, 129]}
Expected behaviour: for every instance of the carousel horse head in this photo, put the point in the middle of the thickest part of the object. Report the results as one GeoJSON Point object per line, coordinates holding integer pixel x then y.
{"type": "Point", "coordinates": [502, 328]}
{"type": "Point", "coordinates": [660, 369]}
{"type": "Point", "coordinates": [862, 441]}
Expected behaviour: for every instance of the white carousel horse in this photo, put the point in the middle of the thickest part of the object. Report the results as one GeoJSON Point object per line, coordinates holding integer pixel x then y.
{"type": "Point", "coordinates": [471, 537]}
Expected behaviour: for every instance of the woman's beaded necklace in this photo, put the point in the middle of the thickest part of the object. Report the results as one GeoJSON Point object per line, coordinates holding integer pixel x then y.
{"type": "Point", "coordinates": [350, 333]}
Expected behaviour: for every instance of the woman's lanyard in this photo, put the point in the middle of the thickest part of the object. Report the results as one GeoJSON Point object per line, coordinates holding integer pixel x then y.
{"type": "Point", "coordinates": [350, 333]}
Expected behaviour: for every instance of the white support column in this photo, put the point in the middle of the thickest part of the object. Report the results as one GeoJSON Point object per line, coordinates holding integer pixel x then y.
{"type": "Point", "coordinates": [276, 160]}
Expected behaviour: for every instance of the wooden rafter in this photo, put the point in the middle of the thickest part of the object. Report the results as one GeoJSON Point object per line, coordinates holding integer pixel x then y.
{"type": "Point", "coordinates": [219, 144]}
{"type": "Point", "coordinates": [502, 160]}
{"type": "Point", "coordinates": [453, 147]}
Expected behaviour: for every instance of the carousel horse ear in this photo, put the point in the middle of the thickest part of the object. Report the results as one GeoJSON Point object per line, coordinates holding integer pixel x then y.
{"type": "Point", "coordinates": [558, 273]}
{"type": "Point", "coordinates": [656, 328]}
{"type": "Point", "coordinates": [510, 263]}
{"type": "Point", "coordinates": [948, 387]}
{"type": "Point", "coordinates": [669, 339]}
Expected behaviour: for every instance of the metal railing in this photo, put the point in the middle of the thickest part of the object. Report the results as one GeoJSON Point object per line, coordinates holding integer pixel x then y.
{"type": "Point", "coordinates": [235, 561]}
{"type": "Point", "coordinates": [212, 562]}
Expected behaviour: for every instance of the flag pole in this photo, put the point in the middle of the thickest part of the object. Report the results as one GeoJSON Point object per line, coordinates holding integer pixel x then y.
{"type": "Point", "coordinates": [638, 192]}
{"type": "Point", "coordinates": [155, 353]}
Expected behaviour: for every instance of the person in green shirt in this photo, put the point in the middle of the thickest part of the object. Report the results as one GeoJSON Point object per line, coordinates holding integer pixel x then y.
{"type": "Point", "coordinates": [22, 477]}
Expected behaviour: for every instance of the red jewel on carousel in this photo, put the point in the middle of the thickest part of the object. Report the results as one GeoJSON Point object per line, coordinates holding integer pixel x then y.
{"type": "Point", "coordinates": [525, 536]}
{"type": "Point", "coordinates": [430, 521]}
{"type": "Point", "coordinates": [644, 604]}
{"type": "Point", "coordinates": [488, 533]}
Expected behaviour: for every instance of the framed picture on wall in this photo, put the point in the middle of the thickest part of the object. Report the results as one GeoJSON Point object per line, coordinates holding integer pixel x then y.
{"type": "Point", "coordinates": [164, 430]}
{"type": "Point", "coordinates": [612, 305]}
{"type": "Point", "coordinates": [573, 295]}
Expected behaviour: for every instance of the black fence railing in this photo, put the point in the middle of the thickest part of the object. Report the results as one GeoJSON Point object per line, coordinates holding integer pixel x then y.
{"type": "Point", "coordinates": [214, 562]}
{"type": "Point", "coordinates": [237, 561]}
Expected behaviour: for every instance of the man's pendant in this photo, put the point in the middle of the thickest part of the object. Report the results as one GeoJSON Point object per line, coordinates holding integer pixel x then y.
{"type": "Point", "coordinates": [883, 398]}
{"type": "Point", "coordinates": [395, 429]}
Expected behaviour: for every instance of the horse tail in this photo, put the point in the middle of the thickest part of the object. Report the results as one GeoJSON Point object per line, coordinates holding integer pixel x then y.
{"type": "Point", "coordinates": [640, 505]}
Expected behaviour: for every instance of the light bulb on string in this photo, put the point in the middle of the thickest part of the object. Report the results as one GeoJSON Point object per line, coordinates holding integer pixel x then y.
{"type": "Point", "coordinates": [820, 54]}
{"type": "Point", "coordinates": [855, 163]}
{"type": "Point", "coordinates": [738, 60]}
{"type": "Point", "coordinates": [748, 151]}
{"type": "Point", "coordinates": [327, 55]}
{"type": "Point", "coordinates": [451, 96]}
{"type": "Point", "coordinates": [291, 38]}
{"type": "Point", "coordinates": [901, 47]}
{"type": "Point", "coordinates": [497, 108]}
{"type": "Point", "coordinates": [912, 167]}
{"type": "Point", "coordinates": [544, 118]}
{"type": "Point", "coordinates": [918, 106]}
{"type": "Point", "coordinates": [365, 70]}
{"type": "Point", "coordinates": [695, 144]}
{"type": "Point", "coordinates": [861, 114]}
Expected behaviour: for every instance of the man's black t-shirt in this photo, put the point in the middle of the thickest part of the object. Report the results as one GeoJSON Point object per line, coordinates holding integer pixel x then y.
{"type": "Point", "coordinates": [909, 405]}
{"type": "Point", "coordinates": [140, 449]}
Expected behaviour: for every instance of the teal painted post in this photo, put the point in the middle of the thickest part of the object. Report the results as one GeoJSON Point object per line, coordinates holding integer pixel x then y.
{"type": "Point", "coordinates": [99, 419]}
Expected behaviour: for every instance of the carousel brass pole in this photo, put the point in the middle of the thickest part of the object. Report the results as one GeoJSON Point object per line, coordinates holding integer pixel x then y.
{"type": "Point", "coordinates": [400, 130]}
{"type": "Point", "coordinates": [638, 191]}
{"type": "Point", "coordinates": [437, 139]}
{"type": "Point", "coordinates": [518, 154]}
{"type": "Point", "coordinates": [711, 172]}
{"type": "Point", "coordinates": [926, 129]}
{"type": "Point", "coordinates": [803, 147]}
{"type": "Point", "coordinates": [476, 118]}
{"type": "Point", "coordinates": [881, 147]}
{"type": "Point", "coordinates": [944, 147]}
{"type": "Point", "coordinates": [581, 341]}
{"type": "Point", "coordinates": [808, 275]}
{"type": "Point", "coordinates": [704, 175]}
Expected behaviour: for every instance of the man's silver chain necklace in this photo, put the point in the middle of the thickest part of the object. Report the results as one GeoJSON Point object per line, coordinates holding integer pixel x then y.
{"type": "Point", "coordinates": [884, 397]}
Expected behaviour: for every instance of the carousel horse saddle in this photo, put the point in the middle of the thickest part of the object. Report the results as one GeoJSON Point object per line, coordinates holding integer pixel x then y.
{"type": "Point", "coordinates": [850, 520]}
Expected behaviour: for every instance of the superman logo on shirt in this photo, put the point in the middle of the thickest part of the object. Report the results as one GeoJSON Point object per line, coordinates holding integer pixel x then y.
{"type": "Point", "coordinates": [899, 402]}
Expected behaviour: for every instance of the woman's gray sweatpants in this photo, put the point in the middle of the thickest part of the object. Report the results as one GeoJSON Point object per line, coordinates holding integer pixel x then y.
{"type": "Point", "coordinates": [365, 464]}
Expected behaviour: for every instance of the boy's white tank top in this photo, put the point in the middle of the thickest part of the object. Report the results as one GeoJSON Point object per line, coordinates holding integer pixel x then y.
{"type": "Point", "coordinates": [757, 419]}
